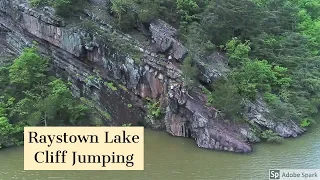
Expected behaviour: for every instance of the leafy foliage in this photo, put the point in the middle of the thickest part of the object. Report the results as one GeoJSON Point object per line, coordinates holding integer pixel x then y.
{"type": "Point", "coordinates": [123, 12]}
{"type": "Point", "coordinates": [306, 122]}
{"type": "Point", "coordinates": [28, 69]}
{"type": "Point", "coordinates": [225, 97]}
{"type": "Point", "coordinates": [190, 72]}
{"type": "Point", "coordinates": [111, 86]}
{"type": "Point", "coordinates": [31, 97]}
{"type": "Point", "coordinates": [259, 76]}
{"type": "Point", "coordinates": [154, 109]}
{"type": "Point", "coordinates": [126, 125]}
{"type": "Point", "coordinates": [187, 9]}
{"type": "Point", "coordinates": [64, 8]}
{"type": "Point", "coordinates": [8, 132]}
{"type": "Point", "coordinates": [270, 136]}
{"type": "Point", "coordinates": [131, 13]}
{"type": "Point", "coordinates": [238, 52]}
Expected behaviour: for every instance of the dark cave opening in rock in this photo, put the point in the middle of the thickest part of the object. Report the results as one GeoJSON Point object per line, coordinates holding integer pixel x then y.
{"type": "Point", "coordinates": [188, 130]}
{"type": "Point", "coordinates": [182, 130]}
{"type": "Point", "coordinates": [83, 53]}
{"type": "Point", "coordinates": [189, 133]}
{"type": "Point", "coordinates": [79, 84]}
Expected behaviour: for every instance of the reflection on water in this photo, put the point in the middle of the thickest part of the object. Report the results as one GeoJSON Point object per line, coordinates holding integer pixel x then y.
{"type": "Point", "coordinates": [180, 159]}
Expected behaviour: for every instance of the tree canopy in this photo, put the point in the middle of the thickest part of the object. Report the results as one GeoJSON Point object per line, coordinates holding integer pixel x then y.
{"type": "Point", "coordinates": [30, 97]}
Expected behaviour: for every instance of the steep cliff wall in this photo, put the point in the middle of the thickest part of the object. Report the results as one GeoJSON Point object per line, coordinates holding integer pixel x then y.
{"type": "Point", "coordinates": [92, 59]}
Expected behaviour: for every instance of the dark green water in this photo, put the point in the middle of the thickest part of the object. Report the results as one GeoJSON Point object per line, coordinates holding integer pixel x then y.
{"type": "Point", "coordinates": [168, 158]}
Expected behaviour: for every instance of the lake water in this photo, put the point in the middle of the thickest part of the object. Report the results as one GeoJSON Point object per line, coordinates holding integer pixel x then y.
{"type": "Point", "coordinates": [173, 158]}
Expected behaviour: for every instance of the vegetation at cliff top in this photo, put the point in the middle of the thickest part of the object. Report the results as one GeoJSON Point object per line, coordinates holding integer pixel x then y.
{"type": "Point", "coordinates": [29, 96]}
{"type": "Point", "coordinates": [64, 8]}
{"type": "Point", "coordinates": [272, 45]}
{"type": "Point", "coordinates": [271, 136]}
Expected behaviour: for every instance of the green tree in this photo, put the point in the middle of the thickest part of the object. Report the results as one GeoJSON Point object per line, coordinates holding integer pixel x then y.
{"type": "Point", "coordinates": [28, 69]}
{"type": "Point", "coordinates": [190, 73]}
{"type": "Point", "coordinates": [196, 40]}
{"type": "Point", "coordinates": [238, 52]}
{"type": "Point", "coordinates": [226, 98]}
{"type": "Point", "coordinates": [187, 9]}
{"type": "Point", "coordinates": [8, 133]}
{"type": "Point", "coordinates": [225, 19]}
{"type": "Point", "coordinates": [63, 8]}
{"type": "Point", "coordinates": [148, 11]}
{"type": "Point", "coordinates": [124, 12]}
{"type": "Point", "coordinates": [259, 76]}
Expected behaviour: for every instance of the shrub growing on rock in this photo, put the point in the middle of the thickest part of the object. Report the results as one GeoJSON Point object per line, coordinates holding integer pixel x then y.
{"type": "Point", "coordinates": [64, 8]}
{"type": "Point", "coordinates": [271, 136]}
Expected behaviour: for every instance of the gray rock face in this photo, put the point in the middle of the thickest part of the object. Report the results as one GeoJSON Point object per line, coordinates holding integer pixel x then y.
{"type": "Point", "coordinates": [212, 67]}
{"type": "Point", "coordinates": [260, 114]}
{"type": "Point", "coordinates": [164, 37]}
{"type": "Point", "coordinates": [203, 124]}
{"type": "Point", "coordinates": [90, 61]}
{"type": "Point", "coordinates": [6, 53]}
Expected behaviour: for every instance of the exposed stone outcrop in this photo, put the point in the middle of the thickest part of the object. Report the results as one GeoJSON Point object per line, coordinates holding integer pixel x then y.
{"type": "Point", "coordinates": [165, 39]}
{"type": "Point", "coordinates": [212, 67]}
{"type": "Point", "coordinates": [187, 116]}
{"type": "Point", "coordinates": [259, 113]}
{"type": "Point", "coordinates": [91, 60]}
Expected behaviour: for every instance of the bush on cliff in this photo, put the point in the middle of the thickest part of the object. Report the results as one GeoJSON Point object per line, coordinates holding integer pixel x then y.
{"type": "Point", "coordinates": [124, 12]}
{"type": "Point", "coordinates": [270, 136]}
{"type": "Point", "coordinates": [190, 72]}
{"type": "Point", "coordinates": [131, 13]}
{"type": "Point", "coordinates": [64, 8]}
{"type": "Point", "coordinates": [226, 98]}
{"type": "Point", "coordinates": [155, 110]}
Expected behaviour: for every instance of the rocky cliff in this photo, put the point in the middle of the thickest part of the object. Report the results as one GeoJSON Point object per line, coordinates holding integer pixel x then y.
{"type": "Point", "coordinates": [119, 72]}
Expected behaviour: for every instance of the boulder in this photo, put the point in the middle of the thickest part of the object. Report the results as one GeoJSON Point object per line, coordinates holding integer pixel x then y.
{"type": "Point", "coordinates": [165, 40]}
